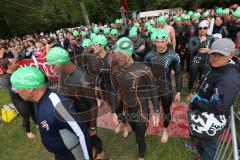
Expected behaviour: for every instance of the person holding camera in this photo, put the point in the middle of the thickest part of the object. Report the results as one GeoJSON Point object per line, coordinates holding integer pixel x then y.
{"type": "Point", "coordinates": [198, 49]}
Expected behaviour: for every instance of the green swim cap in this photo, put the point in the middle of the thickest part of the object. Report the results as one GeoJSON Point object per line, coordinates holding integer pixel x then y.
{"type": "Point", "coordinates": [133, 32]}
{"type": "Point", "coordinates": [152, 22]}
{"type": "Point", "coordinates": [100, 39]}
{"type": "Point", "coordinates": [84, 34]}
{"type": "Point", "coordinates": [236, 14]}
{"type": "Point", "coordinates": [183, 15]}
{"type": "Point", "coordinates": [162, 19]}
{"type": "Point", "coordinates": [162, 34]}
{"type": "Point", "coordinates": [206, 14]}
{"type": "Point", "coordinates": [197, 15]}
{"type": "Point", "coordinates": [118, 21]}
{"type": "Point", "coordinates": [149, 28]}
{"type": "Point", "coordinates": [27, 78]}
{"type": "Point", "coordinates": [57, 55]}
{"type": "Point", "coordinates": [186, 18]}
{"type": "Point", "coordinates": [153, 36]}
{"type": "Point", "coordinates": [124, 45]}
{"type": "Point", "coordinates": [114, 32]}
{"type": "Point", "coordinates": [153, 30]}
{"type": "Point", "coordinates": [190, 13]}
{"type": "Point", "coordinates": [92, 36]}
{"type": "Point", "coordinates": [219, 11]}
{"type": "Point", "coordinates": [226, 11]}
{"type": "Point", "coordinates": [106, 30]}
{"type": "Point", "coordinates": [96, 30]}
{"type": "Point", "coordinates": [174, 17]}
{"type": "Point", "coordinates": [147, 24]}
{"type": "Point", "coordinates": [177, 19]}
{"type": "Point", "coordinates": [75, 33]}
{"type": "Point", "coordinates": [87, 43]}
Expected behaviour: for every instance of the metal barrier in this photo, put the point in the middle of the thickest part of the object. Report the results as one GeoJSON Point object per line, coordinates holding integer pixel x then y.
{"type": "Point", "coordinates": [228, 142]}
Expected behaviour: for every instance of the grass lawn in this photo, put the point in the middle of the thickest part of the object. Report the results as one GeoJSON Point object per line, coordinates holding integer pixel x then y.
{"type": "Point", "coordinates": [15, 146]}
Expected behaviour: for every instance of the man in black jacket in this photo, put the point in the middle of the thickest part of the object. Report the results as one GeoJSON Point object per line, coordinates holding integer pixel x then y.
{"type": "Point", "coordinates": [218, 90]}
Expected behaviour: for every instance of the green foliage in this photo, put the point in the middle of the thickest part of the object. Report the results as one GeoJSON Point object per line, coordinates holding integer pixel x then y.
{"type": "Point", "coordinates": [20, 17]}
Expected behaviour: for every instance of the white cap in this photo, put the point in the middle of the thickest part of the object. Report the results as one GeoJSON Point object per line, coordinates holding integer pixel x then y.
{"type": "Point", "coordinates": [203, 23]}
{"type": "Point", "coordinates": [217, 36]}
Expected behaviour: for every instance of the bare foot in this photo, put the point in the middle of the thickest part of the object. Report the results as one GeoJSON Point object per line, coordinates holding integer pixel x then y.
{"type": "Point", "coordinates": [140, 158]}
{"type": "Point", "coordinates": [189, 97]}
{"type": "Point", "coordinates": [30, 135]}
{"type": "Point", "coordinates": [118, 128]}
{"type": "Point", "coordinates": [101, 155]}
{"type": "Point", "coordinates": [164, 136]}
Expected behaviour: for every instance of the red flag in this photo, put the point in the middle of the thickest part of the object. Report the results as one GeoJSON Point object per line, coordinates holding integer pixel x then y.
{"type": "Point", "coordinates": [124, 4]}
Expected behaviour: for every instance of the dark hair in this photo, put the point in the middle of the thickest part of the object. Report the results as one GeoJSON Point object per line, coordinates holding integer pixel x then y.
{"type": "Point", "coordinates": [5, 63]}
{"type": "Point", "coordinates": [221, 17]}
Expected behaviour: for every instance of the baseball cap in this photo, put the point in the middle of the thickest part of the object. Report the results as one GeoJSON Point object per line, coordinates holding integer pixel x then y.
{"type": "Point", "coordinates": [203, 23]}
{"type": "Point", "coordinates": [223, 46]}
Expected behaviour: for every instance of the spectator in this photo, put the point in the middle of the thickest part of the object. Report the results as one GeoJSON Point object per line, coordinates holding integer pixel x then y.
{"type": "Point", "coordinates": [219, 27]}
{"type": "Point", "coordinates": [40, 51]}
{"type": "Point", "coordinates": [218, 90]}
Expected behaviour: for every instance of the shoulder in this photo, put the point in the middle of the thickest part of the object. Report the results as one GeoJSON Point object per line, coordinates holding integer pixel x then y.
{"type": "Point", "coordinates": [171, 29]}
{"type": "Point", "coordinates": [142, 68]}
{"type": "Point", "coordinates": [173, 54]}
{"type": "Point", "coordinates": [150, 55]}
{"type": "Point", "coordinates": [194, 38]}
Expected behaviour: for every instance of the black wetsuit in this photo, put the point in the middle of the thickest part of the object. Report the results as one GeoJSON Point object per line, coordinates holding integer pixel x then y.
{"type": "Point", "coordinates": [178, 31]}
{"type": "Point", "coordinates": [161, 65]}
{"type": "Point", "coordinates": [187, 34]}
{"type": "Point", "coordinates": [25, 109]}
{"type": "Point", "coordinates": [104, 78]}
{"type": "Point", "coordinates": [221, 30]}
{"type": "Point", "coordinates": [135, 86]}
{"type": "Point", "coordinates": [78, 49]}
{"type": "Point", "coordinates": [198, 60]}
{"type": "Point", "coordinates": [79, 85]}
{"type": "Point", "coordinates": [139, 56]}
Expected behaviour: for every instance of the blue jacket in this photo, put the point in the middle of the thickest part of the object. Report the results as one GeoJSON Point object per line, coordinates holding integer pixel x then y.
{"type": "Point", "coordinates": [54, 114]}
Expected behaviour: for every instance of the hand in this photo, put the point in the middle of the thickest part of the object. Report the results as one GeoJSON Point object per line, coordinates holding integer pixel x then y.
{"type": "Point", "coordinates": [155, 119]}
{"type": "Point", "coordinates": [141, 48]}
{"type": "Point", "coordinates": [202, 38]}
{"type": "Point", "coordinates": [204, 50]}
{"type": "Point", "coordinates": [178, 97]}
{"type": "Point", "coordinates": [115, 118]}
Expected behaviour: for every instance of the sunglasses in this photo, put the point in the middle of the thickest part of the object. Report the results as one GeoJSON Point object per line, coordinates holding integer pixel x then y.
{"type": "Point", "coordinates": [203, 28]}
{"type": "Point", "coordinates": [114, 35]}
{"type": "Point", "coordinates": [162, 38]}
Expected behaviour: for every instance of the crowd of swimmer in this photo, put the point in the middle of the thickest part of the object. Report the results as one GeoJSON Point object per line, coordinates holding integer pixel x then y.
{"type": "Point", "coordinates": [181, 42]}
